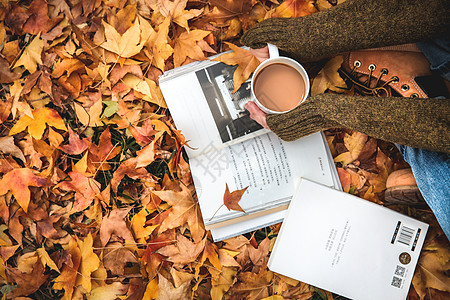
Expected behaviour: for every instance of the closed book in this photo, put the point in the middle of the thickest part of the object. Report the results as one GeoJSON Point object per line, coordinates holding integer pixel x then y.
{"type": "Point", "coordinates": [347, 245]}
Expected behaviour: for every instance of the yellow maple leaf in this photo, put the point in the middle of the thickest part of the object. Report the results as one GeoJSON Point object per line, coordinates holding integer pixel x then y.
{"type": "Point", "coordinates": [89, 262]}
{"type": "Point", "coordinates": [147, 87]}
{"type": "Point", "coordinates": [45, 259]}
{"type": "Point", "coordinates": [109, 291]}
{"type": "Point", "coordinates": [138, 223]}
{"type": "Point", "coordinates": [329, 78]}
{"type": "Point", "coordinates": [176, 10]}
{"type": "Point", "coordinates": [186, 46]}
{"type": "Point", "coordinates": [31, 56]}
{"type": "Point", "coordinates": [36, 126]}
{"type": "Point", "coordinates": [158, 43]}
{"type": "Point", "coordinates": [247, 63]}
{"type": "Point", "coordinates": [126, 45]}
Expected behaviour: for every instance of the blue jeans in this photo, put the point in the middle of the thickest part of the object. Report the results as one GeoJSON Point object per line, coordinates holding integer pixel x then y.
{"type": "Point", "coordinates": [432, 169]}
{"type": "Point", "coordinates": [432, 173]}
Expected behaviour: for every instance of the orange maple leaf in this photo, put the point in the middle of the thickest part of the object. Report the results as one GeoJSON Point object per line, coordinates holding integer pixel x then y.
{"type": "Point", "coordinates": [186, 46]}
{"type": "Point", "coordinates": [86, 189]}
{"type": "Point", "coordinates": [76, 145]}
{"type": "Point", "coordinates": [247, 63]}
{"type": "Point", "coordinates": [230, 200]}
{"type": "Point", "coordinates": [17, 181]}
{"type": "Point", "coordinates": [37, 125]}
{"type": "Point", "coordinates": [294, 8]}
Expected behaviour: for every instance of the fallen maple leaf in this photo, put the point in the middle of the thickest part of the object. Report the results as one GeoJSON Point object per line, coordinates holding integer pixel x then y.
{"type": "Point", "coordinates": [17, 181]}
{"type": "Point", "coordinates": [159, 44]}
{"type": "Point", "coordinates": [98, 155]}
{"type": "Point", "coordinates": [210, 253]}
{"type": "Point", "coordinates": [176, 10]}
{"type": "Point", "coordinates": [166, 291]}
{"type": "Point", "coordinates": [183, 251]}
{"type": "Point", "coordinates": [293, 9]}
{"type": "Point", "coordinates": [67, 279]}
{"type": "Point", "coordinates": [430, 273]}
{"type": "Point", "coordinates": [116, 257]}
{"type": "Point", "coordinates": [27, 283]}
{"type": "Point", "coordinates": [223, 282]}
{"type": "Point", "coordinates": [89, 262]}
{"type": "Point", "coordinates": [39, 22]}
{"type": "Point", "coordinates": [37, 125]}
{"type": "Point", "coordinates": [114, 223]}
{"type": "Point", "coordinates": [126, 45]}
{"type": "Point", "coordinates": [108, 292]}
{"type": "Point", "coordinates": [31, 56]}
{"type": "Point", "coordinates": [76, 145]}
{"type": "Point", "coordinates": [184, 210]}
{"type": "Point", "coordinates": [7, 146]}
{"type": "Point", "coordinates": [247, 63]}
{"type": "Point", "coordinates": [85, 188]}
{"type": "Point", "coordinates": [186, 46]}
{"type": "Point", "coordinates": [6, 76]}
{"type": "Point", "coordinates": [230, 200]}
{"type": "Point", "coordinates": [329, 78]}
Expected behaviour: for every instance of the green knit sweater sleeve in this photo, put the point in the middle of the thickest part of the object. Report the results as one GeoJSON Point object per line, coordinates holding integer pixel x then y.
{"type": "Point", "coordinates": [353, 25]}
{"type": "Point", "coordinates": [415, 122]}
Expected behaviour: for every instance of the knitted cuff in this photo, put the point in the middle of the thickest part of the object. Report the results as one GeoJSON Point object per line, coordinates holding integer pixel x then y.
{"type": "Point", "coordinates": [304, 120]}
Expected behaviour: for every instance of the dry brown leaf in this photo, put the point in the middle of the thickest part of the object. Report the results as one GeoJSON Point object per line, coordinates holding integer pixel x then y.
{"type": "Point", "coordinates": [117, 258]}
{"type": "Point", "coordinates": [183, 251]}
{"type": "Point", "coordinates": [114, 223]}
{"type": "Point", "coordinates": [166, 290]}
{"type": "Point", "coordinates": [27, 283]}
{"type": "Point", "coordinates": [430, 273]}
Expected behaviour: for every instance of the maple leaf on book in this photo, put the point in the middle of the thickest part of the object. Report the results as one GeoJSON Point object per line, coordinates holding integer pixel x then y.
{"type": "Point", "coordinates": [230, 200]}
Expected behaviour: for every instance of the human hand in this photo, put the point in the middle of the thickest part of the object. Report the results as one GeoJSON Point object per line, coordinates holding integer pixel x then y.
{"type": "Point", "coordinates": [261, 54]}
{"type": "Point", "coordinates": [256, 114]}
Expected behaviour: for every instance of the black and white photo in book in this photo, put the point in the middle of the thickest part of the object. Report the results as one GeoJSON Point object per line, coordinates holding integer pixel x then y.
{"type": "Point", "coordinates": [227, 108]}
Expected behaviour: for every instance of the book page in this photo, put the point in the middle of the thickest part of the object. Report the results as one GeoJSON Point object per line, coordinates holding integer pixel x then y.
{"type": "Point", "coordinates": [206, 110]}
{"type": "Point", "coordinates": [268, 166]}
{"type": "Point", "coordinates": [347, 245]}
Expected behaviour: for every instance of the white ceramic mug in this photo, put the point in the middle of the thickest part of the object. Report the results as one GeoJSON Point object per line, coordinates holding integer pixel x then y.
{"type": "Point", "coordinates": [275, 58]}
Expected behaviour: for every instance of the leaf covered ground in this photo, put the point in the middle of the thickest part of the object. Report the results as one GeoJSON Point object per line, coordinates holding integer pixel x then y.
{"type": "Point", "coordinates": [96, 195]}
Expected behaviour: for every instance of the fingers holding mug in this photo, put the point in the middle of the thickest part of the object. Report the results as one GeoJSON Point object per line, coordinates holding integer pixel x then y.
{"type": "Point", "coordinates": [257, 114]}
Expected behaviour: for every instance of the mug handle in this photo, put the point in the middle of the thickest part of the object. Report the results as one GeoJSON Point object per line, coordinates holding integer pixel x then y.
{"type": "Point", "coordinates": [273, 51]}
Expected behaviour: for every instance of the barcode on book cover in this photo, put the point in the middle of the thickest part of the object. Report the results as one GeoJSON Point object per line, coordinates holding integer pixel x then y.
{"type": "Point", "coordinates": [406, 235]}
{"type": "Point", "coordinates": [397, 282]}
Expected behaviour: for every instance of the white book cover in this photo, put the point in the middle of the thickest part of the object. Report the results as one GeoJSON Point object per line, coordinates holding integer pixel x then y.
{"type": "Point", "coordinates": [347, 245]}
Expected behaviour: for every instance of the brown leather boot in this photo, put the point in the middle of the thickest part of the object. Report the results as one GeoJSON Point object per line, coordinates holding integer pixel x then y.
{"type": "Point", "coordinates": [401, 188]}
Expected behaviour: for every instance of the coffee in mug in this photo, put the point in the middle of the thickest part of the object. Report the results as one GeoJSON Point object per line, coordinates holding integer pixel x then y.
{"type": "Point", "coordinates": [279, 84]}
{"type": "Point", "coordinates": [279, 87]}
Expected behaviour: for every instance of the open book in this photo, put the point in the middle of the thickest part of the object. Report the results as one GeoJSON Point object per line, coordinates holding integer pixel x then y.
{"type": "Point", "coordinates": [228, 147]}
{"type": "Point", "coordinates": [347, 245]}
